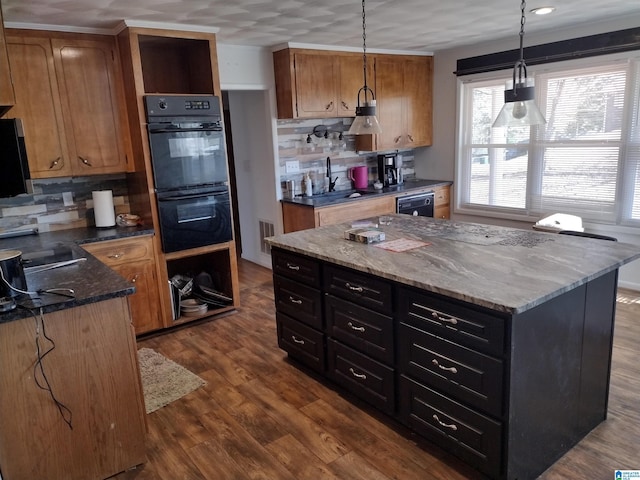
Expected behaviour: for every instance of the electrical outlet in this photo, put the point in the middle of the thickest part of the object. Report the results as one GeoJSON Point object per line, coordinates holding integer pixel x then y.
{"type": "Point", "coordinates": [292, 166]}
{"type": "Point", "coordinates": [67, 198]}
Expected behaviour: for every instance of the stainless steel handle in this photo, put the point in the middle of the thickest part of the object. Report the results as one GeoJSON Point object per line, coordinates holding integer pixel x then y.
{"type": "Point", "coordinates": [445, 425]}
{"type": "Point", "coordinates": [361, 376]}
{"type": "Point", "coordinates": [442, 367]}
{"type": "Point", "coordinates": [55, 163]}
{"type": "Point", "coordinates": [354, 288]}
{"type": "Point", "coordinates": [296, 301]}
{"type": "Point", "coordinates": [196, 219]}
{"type": "Point", "coordinates": [85, 161]}
{"type": "Point", "coordinates": [452, 321]}
{"type": "Point", "coordinates": [297, 340]}
{"type": "Point", "coordinates": [293, 267]}
{"type": "Point", "coordinates": [329, 106]}
{"type": "Point", "coordinates": [353, 327]}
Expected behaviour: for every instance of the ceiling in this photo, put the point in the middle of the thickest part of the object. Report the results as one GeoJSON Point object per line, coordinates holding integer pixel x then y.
{"type": "Point", "coordinates": [422, 25]}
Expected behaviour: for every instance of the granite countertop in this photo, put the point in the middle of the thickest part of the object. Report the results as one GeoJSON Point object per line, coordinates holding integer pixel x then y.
{"type": "Point", "coordinates": [342, 196]}
{"type": "Point", "coordinates": [504, 269]}
{"type": "Point", "coordinates": [90, 279]}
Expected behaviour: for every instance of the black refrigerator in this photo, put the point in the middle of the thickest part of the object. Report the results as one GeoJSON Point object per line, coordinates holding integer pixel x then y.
{"type": "Point", "coordinates": [13, 159]}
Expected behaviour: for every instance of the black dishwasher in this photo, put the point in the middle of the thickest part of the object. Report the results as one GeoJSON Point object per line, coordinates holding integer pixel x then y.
{"type": "Point", "coordinates": [420, 204]}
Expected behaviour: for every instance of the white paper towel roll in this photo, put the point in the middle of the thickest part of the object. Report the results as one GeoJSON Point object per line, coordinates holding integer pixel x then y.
{"type": "Point", "coordinates": [103, 208]}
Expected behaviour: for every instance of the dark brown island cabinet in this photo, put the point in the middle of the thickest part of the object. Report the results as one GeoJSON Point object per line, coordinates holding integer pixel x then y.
{"type": "Point", "coordinates": [506, 387]}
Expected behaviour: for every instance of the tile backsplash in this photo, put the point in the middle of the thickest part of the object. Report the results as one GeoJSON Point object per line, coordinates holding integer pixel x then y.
{"type": "Point", "coordinates": [297, 142]}
{"type": "Point", "coordinates": [61, 203]}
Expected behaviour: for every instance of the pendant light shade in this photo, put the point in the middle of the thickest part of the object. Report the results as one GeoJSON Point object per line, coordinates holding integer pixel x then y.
{"type": "Point", "coordinates": [519, 107]}
{"type": "Point", "coordinates": [366, 121]}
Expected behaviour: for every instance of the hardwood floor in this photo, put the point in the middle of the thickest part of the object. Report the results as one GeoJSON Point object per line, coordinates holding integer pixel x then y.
{"type": "Point", "coordinates": [262, 417]}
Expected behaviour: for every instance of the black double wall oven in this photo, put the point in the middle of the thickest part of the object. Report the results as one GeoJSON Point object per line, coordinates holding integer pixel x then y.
{"type": "Point", "coordinates": [189, 166]}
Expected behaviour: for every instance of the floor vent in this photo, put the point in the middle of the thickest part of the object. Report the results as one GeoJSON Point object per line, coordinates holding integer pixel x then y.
{"type": "Point", "coordinates": [266, 230]}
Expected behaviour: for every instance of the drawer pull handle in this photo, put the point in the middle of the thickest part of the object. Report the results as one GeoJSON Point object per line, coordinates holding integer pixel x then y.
{"type": "Point", "coordinates": [116, 256]}
{"type": "Point", "coordinates": [445, 425]}
{"type": "Point", "coordinates": [354, 288]}
{"type": "Point", "coordinates": [344, 105]}
{"type": "Point", "coordinates": [353, 327]}
{"type": "Point", "coordinates": [329, 106]}
{"type": "Point", "coordinates": [297, 340]}
{"type": "Point", "coordinates": [135, 278]}
{"type": "Point", "coordinates": [293, 267]}
{"type": "Point", "coordinates": [296, 301]}
{"type": "Point", "coordinates": [361, 376]}
{"type": "Point", "coordinates": [55, 163]}
{"type": "Point", "coordinates": [450, 320]}
{"type": "Point", "coordinates": [85, 161]}
{"type": "Point", "coordinates": [442, 367]}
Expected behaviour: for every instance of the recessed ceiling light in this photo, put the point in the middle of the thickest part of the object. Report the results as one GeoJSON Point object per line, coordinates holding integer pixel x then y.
{"type": "Point", "coordinates": [543, 10]}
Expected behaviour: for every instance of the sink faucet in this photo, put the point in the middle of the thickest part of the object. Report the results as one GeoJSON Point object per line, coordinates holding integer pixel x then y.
{"type": "Point", "coordinates": [332, 185]}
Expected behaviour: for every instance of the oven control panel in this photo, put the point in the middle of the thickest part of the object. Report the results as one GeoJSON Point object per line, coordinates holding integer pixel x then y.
{"type": "Point", "coordinates": [163, 106]}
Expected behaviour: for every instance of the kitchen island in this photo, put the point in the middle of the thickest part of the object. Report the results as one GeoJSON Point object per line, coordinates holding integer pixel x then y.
{"type": "Point", "coordinates": [71, 334]}
{"type": "Point", "coordinates": [493, 343]}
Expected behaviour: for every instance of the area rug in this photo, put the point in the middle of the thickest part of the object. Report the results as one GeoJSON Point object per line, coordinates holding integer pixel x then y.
{"type": "Point", "coordinates": [163, 380]}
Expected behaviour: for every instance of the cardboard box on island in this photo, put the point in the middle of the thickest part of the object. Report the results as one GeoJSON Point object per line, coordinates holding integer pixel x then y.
{"type": "Point", "coordinates": [364, 235]}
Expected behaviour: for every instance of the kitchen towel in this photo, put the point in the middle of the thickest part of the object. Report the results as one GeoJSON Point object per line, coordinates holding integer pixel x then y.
{"type": "Point", "coordinates": [103, 208]}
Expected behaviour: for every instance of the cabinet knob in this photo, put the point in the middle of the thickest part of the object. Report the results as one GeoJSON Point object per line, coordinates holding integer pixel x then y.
{"type": "Point", "coordinates": [55, 163]}
{"type": "Point", "coordinates": [135, 278]}
{"type": "Point", "coordinates": [451, 426]}
{"type": "Point", "coordinates": [85, 161]}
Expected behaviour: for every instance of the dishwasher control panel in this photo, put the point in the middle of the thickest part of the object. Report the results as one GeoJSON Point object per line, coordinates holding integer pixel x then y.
{"type": "Point", "coordinates": [420, 204]}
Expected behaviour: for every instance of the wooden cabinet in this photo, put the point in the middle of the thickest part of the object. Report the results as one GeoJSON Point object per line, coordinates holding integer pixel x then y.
{"type": "Point", "coordinates": [317, 83]}
{"type": "Point", "coordinates": [93, 371]}
{"type": "Point", "coordinates": [403, 87]}
{"type": "Point", "coordinates": [7, 97]}
{"type": "Point", "coordinates": [134, 259]}
{"type": "Point", "coordinates": [300, 217]}
{"type": "Point", "coordinates": [69, 96]}
{"type": "Point", "coordinates": [442, 202]}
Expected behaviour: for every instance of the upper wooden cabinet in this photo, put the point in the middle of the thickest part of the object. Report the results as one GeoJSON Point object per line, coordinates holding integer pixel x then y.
{"type": "Point", "coordinates": [318, 83]}
{"type": "Point", "coordinates": [404, 87]}
{"type": "Point", "coordinates": [69, 96]}
{"type": "Point", "coordinates": [7, 97]}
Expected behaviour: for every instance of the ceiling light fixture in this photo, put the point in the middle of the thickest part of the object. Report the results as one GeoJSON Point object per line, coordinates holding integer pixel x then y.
{"type": "Point", "coordinates": [519, 108]}
{"type": "Point", "coordinates": [542, 10]}
{"type": "Point", "coordinates": [365, 121]}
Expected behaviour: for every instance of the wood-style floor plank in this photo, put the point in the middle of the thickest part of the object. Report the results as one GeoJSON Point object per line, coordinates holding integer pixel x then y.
{"type": "Point", "coordinates": [261, 416]}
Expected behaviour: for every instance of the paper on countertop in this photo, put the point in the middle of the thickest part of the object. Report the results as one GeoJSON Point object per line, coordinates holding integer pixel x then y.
{"type": "Point", "coordinates": [401, 244]}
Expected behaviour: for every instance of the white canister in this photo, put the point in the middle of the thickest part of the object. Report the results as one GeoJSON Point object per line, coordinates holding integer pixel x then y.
{"type": "Point", "coordinates": [103, 208]}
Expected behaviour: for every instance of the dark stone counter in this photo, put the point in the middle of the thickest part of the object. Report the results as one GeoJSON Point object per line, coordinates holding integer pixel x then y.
{"type": "Point", "coordinates": [91, 280]}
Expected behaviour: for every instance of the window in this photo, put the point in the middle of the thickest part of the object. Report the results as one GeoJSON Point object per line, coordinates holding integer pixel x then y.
{"type": "Point", "coordinates": [584, 161]}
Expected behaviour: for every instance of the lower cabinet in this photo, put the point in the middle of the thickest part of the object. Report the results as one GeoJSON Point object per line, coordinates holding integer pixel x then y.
{"type": "Point", "coordinates": [134, 259]}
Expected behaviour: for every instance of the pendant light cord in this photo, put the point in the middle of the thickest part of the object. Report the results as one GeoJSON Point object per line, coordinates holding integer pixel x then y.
{"type": "Point", "coordinates": [364, 49]}
{"type": "Point", "coordinates": [520, 65]}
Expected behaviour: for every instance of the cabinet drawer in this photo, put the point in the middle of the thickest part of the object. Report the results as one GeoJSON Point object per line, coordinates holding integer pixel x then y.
{"type": "Point", "coordinates": [301, 342]}
{"type": "Point", "coordinates": [368, 379]}
{"type": "Point", "coordinates": [365, 330]}
{"type": "Point", "coordinates": [441, 196]}
{"type": "Point", "coordinates": [299, 301]}
{"type": "Point", "coordinates": [297, 267]}
{"type": "Point", "coordinates": [118, 252]}
{"type": "Point", "coordinates": [365, 290]}
{"type": "Point", "coordinates": [463, 325]}
{"type": "Point", "coordinates": [470, 376]}
{"type": "Point", "coordinates": [467, 434]}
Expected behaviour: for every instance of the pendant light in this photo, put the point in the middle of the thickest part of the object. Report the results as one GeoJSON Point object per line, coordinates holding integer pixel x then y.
{"type": "Point", "coordinates": [365, 121]}
{"type": "Point", "coordinates": [519, 108]}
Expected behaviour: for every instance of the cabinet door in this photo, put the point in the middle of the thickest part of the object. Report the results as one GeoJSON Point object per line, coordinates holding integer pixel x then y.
{"type": "Point", "coordinates": [38, 105]}
{"type": "Point", "coordinates": [351, 80]}
{"type": "Point", "coordinates": [355, 210]}
{"type": "Point", "coordinates": [144, 304]}
{"type": "Point", "coordinates": [316, 85]}
{"type": "Point", "coordinates": [390, 101]}
{"type": "Point", "coordinates": [418, 88]}
{"type": "Point", "coordinates": [442, 202]}
{"type": "Point", "coordinates": [87, 76]}
{"type": "Point", "coordinates": [7, 98]}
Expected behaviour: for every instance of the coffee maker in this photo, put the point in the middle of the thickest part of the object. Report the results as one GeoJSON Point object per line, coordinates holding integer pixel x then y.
{"type": "Point", "coordinates": [389, 170]}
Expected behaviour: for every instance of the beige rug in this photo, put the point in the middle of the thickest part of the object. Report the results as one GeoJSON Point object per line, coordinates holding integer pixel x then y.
{"type": "Point", "coordinates": [163, 380]}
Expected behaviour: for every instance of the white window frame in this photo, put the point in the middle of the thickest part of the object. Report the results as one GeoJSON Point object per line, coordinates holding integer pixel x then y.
{"type": "Point", "coordinates": [532, 211]}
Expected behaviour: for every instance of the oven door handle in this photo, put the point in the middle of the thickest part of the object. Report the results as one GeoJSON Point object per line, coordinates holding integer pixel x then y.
{"type": "Point", "coordinates": [183, 130]}
{"type": "Point", "coordinates": [196, 219]}
{"type": "Point", "coordinates": [189, 197]}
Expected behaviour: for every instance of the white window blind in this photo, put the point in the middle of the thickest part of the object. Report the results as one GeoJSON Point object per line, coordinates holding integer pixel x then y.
{"type": "Point", "coordinates": [584, 161]}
